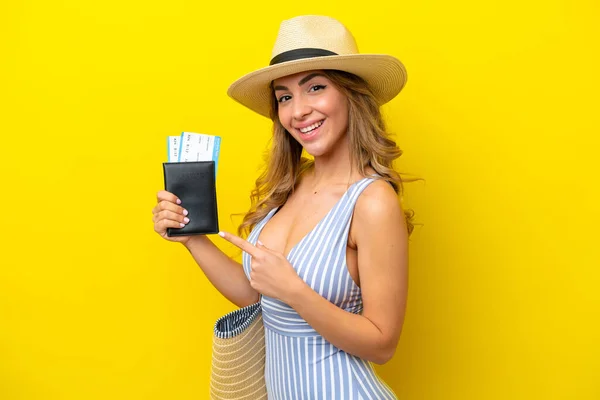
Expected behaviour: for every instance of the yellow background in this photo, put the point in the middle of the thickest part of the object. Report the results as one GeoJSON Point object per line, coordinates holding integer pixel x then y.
{"type": "Point", "coordinates": [499, 116]}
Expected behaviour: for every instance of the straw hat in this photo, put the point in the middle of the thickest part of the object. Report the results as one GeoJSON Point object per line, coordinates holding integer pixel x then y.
{"type": "Point", "coordinates": [317, 42]}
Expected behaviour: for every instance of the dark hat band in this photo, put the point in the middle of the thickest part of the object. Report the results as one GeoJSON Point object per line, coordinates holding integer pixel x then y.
{"type": "Point", "coordinates": [298, 54]}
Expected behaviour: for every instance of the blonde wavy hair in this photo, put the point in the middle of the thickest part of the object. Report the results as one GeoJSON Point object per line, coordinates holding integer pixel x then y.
{"type": "Point", "coordinates": [370, 146]}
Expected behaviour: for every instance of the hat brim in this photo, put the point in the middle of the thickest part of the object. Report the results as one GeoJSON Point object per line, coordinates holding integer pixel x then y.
{"type": "Point", "coordinates": [385, 75]}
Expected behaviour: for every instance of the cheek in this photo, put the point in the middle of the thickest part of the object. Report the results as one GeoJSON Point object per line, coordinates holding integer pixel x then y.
{"type": "Point", "coordinates": [334, 106]}
{"type": "Point", "coordinates": [343, 111]}
{"type": "Point", "coordinates": [341, 117]}
{"type": "Point", "coordinates": [284, 118]}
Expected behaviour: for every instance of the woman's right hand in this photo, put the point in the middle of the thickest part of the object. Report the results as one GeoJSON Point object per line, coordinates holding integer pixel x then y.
{"type": "Point", "coordinates": [169, 214]}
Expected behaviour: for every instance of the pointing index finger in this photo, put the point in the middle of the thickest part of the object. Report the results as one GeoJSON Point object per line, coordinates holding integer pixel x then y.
{"type": "Point", "coordinates": [241, 243]}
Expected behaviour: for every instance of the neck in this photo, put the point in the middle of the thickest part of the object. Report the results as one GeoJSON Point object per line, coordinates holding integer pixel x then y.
{"type": "Point", "coordinates": [333, 168]}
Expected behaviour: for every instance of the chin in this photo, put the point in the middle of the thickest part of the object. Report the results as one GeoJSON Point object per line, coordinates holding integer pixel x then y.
{"type": "Point", "coordinates": [316, 152]}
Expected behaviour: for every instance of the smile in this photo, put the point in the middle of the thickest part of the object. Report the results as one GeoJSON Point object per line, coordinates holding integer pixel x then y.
{"type": "Point", "coordinates": [312, 127]}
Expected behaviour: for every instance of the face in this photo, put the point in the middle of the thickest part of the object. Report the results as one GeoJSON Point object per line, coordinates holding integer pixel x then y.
{"type": "Point", "coordinates": [313, 111]}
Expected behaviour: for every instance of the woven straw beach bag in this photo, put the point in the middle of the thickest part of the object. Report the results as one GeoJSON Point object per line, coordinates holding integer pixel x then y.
{"type": "Point", "coordinates": [238, 356]}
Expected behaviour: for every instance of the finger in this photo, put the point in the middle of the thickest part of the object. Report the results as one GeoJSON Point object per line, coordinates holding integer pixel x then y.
{"type": "Point", "coordinates": [241, 243]}
{"type": "Point", "coordinates": [162, 225]}
{"type": "Point", "coordinates": [253, 284]}
{"type": "Point", "coordinates": [173, 216]}
{"type": "Point", "coordinates": [260, 245]}
{"type": "Point", "coordinates": [170, 206]}
{"type": "Point", "coordinates": [164, 195]}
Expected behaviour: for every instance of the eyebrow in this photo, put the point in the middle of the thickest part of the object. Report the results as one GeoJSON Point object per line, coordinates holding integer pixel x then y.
{"type": "Point", "coordinates": [302, 81]}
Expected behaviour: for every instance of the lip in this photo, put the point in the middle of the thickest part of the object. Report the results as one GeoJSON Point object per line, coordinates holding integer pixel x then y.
{"type": "Point", "coordinates": [313, 133]}
{"type": "Point", "coordinates": [308, 124]}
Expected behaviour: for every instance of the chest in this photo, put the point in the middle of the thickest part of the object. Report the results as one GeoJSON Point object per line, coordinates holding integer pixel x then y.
{"type": "Point", "coordinates": [296, 219]}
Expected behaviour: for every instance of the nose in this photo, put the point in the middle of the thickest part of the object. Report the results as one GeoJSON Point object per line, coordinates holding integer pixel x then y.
{"type": "Point", "coordinates": [301, 108]}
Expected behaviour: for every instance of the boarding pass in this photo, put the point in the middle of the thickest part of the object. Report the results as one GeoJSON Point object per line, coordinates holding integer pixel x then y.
{"type": "Point", "coordinates": [190, 146]}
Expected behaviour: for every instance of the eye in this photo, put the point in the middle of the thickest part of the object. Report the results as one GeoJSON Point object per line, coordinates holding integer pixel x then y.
{"type": "Point", "coordinates": [317, 87]}
{"type": "Point", "coordinates": [284, 98]}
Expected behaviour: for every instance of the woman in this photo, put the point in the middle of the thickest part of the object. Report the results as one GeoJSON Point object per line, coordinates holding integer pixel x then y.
{"type": "Point", "coordinates": [326, 238]}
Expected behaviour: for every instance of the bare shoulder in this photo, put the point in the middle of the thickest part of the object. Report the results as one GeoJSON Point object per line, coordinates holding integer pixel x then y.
{"type": "Point", "coordinates": [377, 212]}
{"type": "Point", "coordinates": [378, 200]}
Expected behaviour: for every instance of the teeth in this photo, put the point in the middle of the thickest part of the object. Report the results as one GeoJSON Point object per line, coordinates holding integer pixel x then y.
{"type": "Point", "coordinates": [311, 127]}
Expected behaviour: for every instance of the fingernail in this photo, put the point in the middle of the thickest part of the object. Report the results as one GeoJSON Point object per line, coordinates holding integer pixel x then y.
{"type": "Point", "coordinates": [259, 242]}
{"type": "Point", "coordinates": [178, 201]}
{"type": "Point", "coordinates": [181, 224]}
{"type": "Point", "coordinates": [186, 220]}
{"type": "Point", "coordinates": [185, 212]}
{"type": "Point", "coordinates": [222, 234]}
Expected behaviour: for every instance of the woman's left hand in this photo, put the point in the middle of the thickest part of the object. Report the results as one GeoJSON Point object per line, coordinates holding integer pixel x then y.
{"type": "Point", "coordinates": [271, 273]}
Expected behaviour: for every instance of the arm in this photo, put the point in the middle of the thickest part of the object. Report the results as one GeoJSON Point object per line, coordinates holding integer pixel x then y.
{"type": "Point", "coordinates": [226, 275]}
{"type": "Point", "coordinates": [380, 234]}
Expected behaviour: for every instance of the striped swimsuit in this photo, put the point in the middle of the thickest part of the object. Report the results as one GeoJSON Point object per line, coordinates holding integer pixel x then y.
{"type": "Point", "coordinates": [300, 363]}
